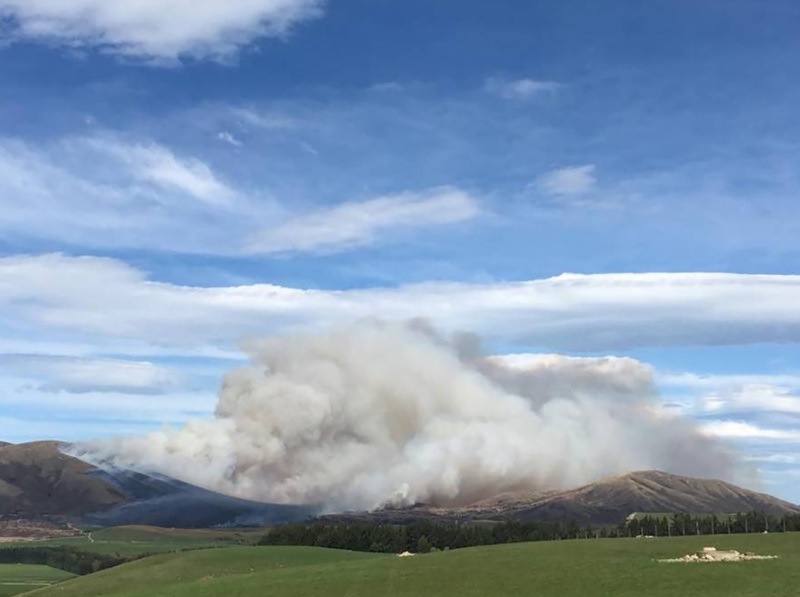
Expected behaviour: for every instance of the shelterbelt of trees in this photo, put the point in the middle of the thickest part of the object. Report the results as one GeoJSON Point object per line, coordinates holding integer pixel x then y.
{"type": "Point", "coordinates": [72, 560]}
{"type": "Point", "coordinates": [714, 524]}
{"type": "Point", "coordinates": [422, 537]}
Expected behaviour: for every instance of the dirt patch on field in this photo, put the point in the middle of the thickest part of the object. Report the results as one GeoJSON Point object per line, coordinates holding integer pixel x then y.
{"type": "Point", "coordinates": [712, 554]}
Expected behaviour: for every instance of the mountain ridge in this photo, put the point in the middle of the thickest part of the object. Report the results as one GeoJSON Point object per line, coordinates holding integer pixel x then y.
{"type": "Point", "coordinates": [39, 481]}
{"type": "Point", "coordinates": [608, 501]}
{"type": "Point", "coordinates": [651, 491]}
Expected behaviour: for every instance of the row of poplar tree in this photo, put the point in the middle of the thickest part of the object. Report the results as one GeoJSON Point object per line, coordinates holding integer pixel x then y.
{"type": "Point", "coordinates": [703, 524]}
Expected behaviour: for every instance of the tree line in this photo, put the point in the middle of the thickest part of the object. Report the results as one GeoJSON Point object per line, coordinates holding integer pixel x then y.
{"type": "Point", "coordinates": [709, 524]}
{"type": "Point", "coordinates": [72, 560]}
{"type": "Point", "coordinates": [418, 537]}
{"type": "Point", "coordinates": [425, 536]}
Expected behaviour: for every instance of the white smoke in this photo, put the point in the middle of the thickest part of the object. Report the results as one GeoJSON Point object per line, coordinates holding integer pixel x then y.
{"type": "Point", "coordinates": [377, 414]}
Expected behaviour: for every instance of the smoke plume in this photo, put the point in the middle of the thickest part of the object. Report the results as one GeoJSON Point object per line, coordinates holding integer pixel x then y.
{"type": "Point", "coordinates": [376, 414]}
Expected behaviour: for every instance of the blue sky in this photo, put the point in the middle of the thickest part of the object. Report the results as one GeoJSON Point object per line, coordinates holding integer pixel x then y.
{"type": "Point", "coordinates": [169, 185]}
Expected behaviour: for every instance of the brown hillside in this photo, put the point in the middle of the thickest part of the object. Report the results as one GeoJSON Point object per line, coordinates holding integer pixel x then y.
{"type": "Point", "coordinates": [39, 483]}
{"type": "Point", "coordinates": [606, 502]}
{"type": "Point", "coordinates": [611, 500]}
{"type": "Point", "coordinates": [36, 479]}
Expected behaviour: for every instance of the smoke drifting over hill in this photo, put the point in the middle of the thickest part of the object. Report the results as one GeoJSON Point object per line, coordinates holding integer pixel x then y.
{"type": "Point", "coordinates": [373, 414]}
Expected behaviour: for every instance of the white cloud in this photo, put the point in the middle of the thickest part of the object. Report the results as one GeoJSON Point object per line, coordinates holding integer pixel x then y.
{"type": "Point", "coordinates": [158, 165]}
{"type": "Point", "coordinates": [246, 117]}
{"type": "Point", "coordinates": [569, 181]}
{"type": "Point", "coordinates": [776, 458]}
{"type": "Point", "coordinates": [702, 381]}
{"type": "Point", "coordinates": [519, 89]}
{"type": "Point", "coordinates": [737, 393]}
{"type": "Point", "coordinates": [84, 375]}
{"type": "Point", "coordinates": [307, 147]}
{"type": "Point", "coordinates": [161, 31]}
{"type": "Point", "coordinates": [229, 138]}
{"type": "Point", "coordinates": [101, 191]}
{"type": "Point", "coordinates": [107, 298]}
{"type": "Point", "coordinates": [360, 223]}
{"type": "Point", "coordinates": [754, 398]}
{"type": "Point", "coordinates": [742, 430]}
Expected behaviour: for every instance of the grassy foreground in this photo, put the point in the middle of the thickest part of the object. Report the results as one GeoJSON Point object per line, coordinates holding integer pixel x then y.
{"type": "Point", "coordinates": [20, 578]}
{"type": "Point", "coordinates": [618, 567]}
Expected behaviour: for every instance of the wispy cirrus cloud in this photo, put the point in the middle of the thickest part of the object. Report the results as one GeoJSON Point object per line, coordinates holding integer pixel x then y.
{"type": "Point", "coordinates": [359, 223]}
{"type": "Point", "coordinates": [156, 31]}
{"type": "Point", "coordinates": [106, 191]}
{"type": "Point", "coordinates": [229, 138]}
{"type": "Point", "coordinates": [155, 164]}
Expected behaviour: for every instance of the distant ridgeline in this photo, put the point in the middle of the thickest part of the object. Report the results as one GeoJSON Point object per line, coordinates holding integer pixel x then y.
{"type": "Point", "coordinates": [425, 536]}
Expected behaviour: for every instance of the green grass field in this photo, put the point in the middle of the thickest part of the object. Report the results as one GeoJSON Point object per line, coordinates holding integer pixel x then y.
{"type": "Point", "coordinates": [142, 539]}
{"type": "Point", "coordinates": [21, 578]}
{"type": "Point", "coordinates": [619, 568]}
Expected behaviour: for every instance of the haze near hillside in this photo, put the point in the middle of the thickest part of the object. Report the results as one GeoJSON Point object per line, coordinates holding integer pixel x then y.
{"type": "Point", "coordinates": [39, 482]}
{"type": "Point", "coordinates": [612, 499]}
{"type": "Point", "coordinates": [606, 502]}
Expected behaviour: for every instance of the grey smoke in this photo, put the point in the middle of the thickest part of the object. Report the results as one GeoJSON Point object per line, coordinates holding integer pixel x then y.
{"type": "Point", "coordinates": [375, 414]}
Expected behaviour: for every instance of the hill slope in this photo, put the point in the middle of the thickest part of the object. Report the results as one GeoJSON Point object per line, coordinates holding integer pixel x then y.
{"type": "Point", "coordinates": [606, 502]}
{"type": "Point", "coordinates": [39, 482]}
{"type": "Point", "coordinates": [611, 500]}
{"type": "Point", "coordinates": [619, 567]}
{"type": "Point", "coordinates": [36, 479]}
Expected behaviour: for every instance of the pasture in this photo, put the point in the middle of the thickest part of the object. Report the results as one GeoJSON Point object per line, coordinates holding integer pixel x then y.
{"type": "Point", "coordinates": [21, 578]}
{"type": "Point", "coordinates": [133, 540]}
{"type": "Point", "coordinates": [585, 568]}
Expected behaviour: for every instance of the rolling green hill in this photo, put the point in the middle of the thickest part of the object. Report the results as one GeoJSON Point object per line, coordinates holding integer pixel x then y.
{"type": "Point", "coordinates": [21, 578]}
{"type": "Point", "coordinates": [140, 539]}
{"type": "Point", "coordinates": [619, 567]}
{"type": "Point", "coordinates": [203, 570]}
